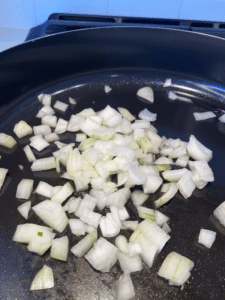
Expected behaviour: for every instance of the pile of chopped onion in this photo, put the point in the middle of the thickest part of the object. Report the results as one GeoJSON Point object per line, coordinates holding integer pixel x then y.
{"type": "Point", "coordinates": [116, 153]}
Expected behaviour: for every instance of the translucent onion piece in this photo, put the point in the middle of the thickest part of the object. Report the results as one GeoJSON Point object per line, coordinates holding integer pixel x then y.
{"type": "Point", "coordinates": [152, 184]}
{"type": "Point", "coordinates": [60, 106]}
{"type": "Point", "coordinates": [83, 246]}
{"type": "Point", "coordinates": [39, 143]}
{"type": "Point", "coordinates": [41, 242]}
{"type": "Point", "coordinates": [22, 129]}
{"type": "Point", "coordinates": [46, 99]}
{"type": "Point", "coordinates": [147, 115]}
{"type": "Point", "coordinates": [87, 203]}
{"type": "Point", "coordinates": [43, 164]}
{"type": "Point", "coordinates": [131, 225]}
{"type": "Point", "coordinates": [121, 243]}
{"type": "Point", "coordinates": [60, 248]}
{"type": "Point", "coordinates": [167, 196]}
{"type": "Point", "coordinates": [107, 89]}
{"type": "Point", "coordinates": [63, 194]}
{"type": "Point", "coordinates": [87, 112]}
{"type": "Point", "coordinates": [7, 140]}
{"type": "Point", "coordinates": [51, 137]}
{"type": "Point", "coordinates": [204, 115]}
{"type": "Point", "coordinates": [3, 173]}
{"type": "Point", "coordinates": [44, 189]}
{"type": "Point", "coordinates": [168, 82]}
{"type": "Point", "coordinates": [41, 130]}
{"type": "Point", "coordinates": [111, 117]}
{"type": "Point", "coordinates": [166, 228]}
{"type": "Point", "coordinates": [24, 209]}
{"type": "Point", "coordinates": [49, 120]}
{"type": "Point", "coordinates": [24, 189]}
{"type": "Point", "coordinates": [219, 213]}
{"type": "Point", "coordinates": [61, 126]}
{"type": "Point", "coordinates": [130, 264]}
{"type": "Point", "coordinates": [43, 280]}
{"type": "Point", "coordinates": [222, 118]}
{"type": "Point", "coordinates": [77, 227]}
{"type": "Point", "coordinates": [80, 137]}
{"type": "Point", "coordinates": [46, 110]}
{"type": "Point", "coordinates": [198, 151]}
{"type": "Point", "coordinates": [161, 219]}
{"type": "Point", "coordinates": [172, 95]}
{"type": "Point", "coordinates": [72, 101]}
{"type": "Point", "coordinates": [90, 217]}
{"type": "Point", "coordinates": [118, 198]}
{"type": "Point", "coordinates": [125, 288]}
{"type": "Point", "coordinates": [29, 154]}
{"type": "Point", "coordinates": [138, 197]}
{"type": "Point", "coordinates": [146, 93]}
{"type": "Point", "coordinates": [126, 114]}
{"type": "Point", "coordinates": [186, 185]}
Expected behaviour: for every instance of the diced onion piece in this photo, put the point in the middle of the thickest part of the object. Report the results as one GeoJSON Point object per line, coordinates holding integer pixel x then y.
{"type": "Point", "coordinates": [38, 142]}
{"type": "Point", "coordinates": [21, 168]}
{"type": "Point", "coordinates": [118, 198]}
{"type": "Point", "coordinates": [46, 110]}
{"type": "Point", "coordinates": [134, 249]}
{"type": "Point", "coordinates": [41, 242]}
{"type": "Point", "coordinates": [87, 203]}
{"type": "Point", "coordinates": [168, 82]}
{"type": "Point", "coordinates": [90, 229]}
{"type": "Point", "coordinates": [172, 95]}
{"type": "Point", "coordinates": [126, 114]}
{"type": "Point", "coordinates": [46, 99]}
{"type": "Point", "coordinates": [102, 256]}
{"type": "Point", "coordinates": [207, 237]}
{"type": "Point", "coordinates": [129, 264]}
{"type": "Point", "coordinates": [182, 161]}
{"type": "Point", "coordinates": [52, 214]}
{"type": "Point", "coordinates": [90, 217]}
{"type": "Point", "coordinates": [40, 97]}
{"type": "Point", "coordinates": [131, 225]}
{"type": "Point", "coordinates": [72, 101]}
{"type": "Point", "coordinates": [43, 280]}
{"type": "Point", "coordinates": [7, 140]}
{"type": "Point", "coordinates": [87, 112]}
{"type": "Point", "coordinates": [29, 154]}
{"type": "Point", "coordinates": [25, 232]}
{"type": "Point", "coordinates": [3, 173]}
{"type": "Point", "coordinates": [101, 196]}
{"type": "Point", "coordinates": [219, 213]}
{"type": "Point", "coordinates": [56, 189]}
{"type": "Point", "coordinates": [49, 120]}
{"type": "Point", "coordinates": [103, 133]}
{"type": "Point", "coordinates": [77, 227]}
{"type": "Point", "coordinates": [150, 231]}
{"type": "Point", "coordinates": [138, 197]}
{"type": "Point", "coordinates": [176, 268]}
{"type": "Point", "coordinates": [123, 214]}
{"type": "Point", "coordinates": [161, 219]}
{"type": "Point", "coordinates": [91, 155]}
{"type": "Point", "coordinates": [146, 213]}
{"type": "Point", "coordinates": [81, 181]}
{"type": "Point", "coordinates": [174, 175]}
{"type": "Point", "coordinates": [198, 151]}
{"type": "Point", "coordinates": [111, 117]}
{"type": "Point", "coordinates": [75, 123]}
{"type": "Point", "coordinates": [149, 170]}
{"type": "Point", "coordinates": [24, 209]}
{"type": "Point", "coordinates": [44, 189]}
{"type": "Point", "coordinates": [41, 130]}
{"type": "Point", "coordinates": [146, 93]}
{"type": "Point", "coordinates": [22, 129]}
{"type": "Point", "coordinates": [140, 124]}
{"type": "Point", "coordinates": [86, 144]}
{"type": "Point", "coordinates": [147, 115]}
{"type": "Point", "coordinates": [43, 164]}
{"type": "Point", "coordinates": [63, 194]}
{"type": "Point", "coordinates": [167, 151]}
{"type": "Point", "coordinates": [165, 188]}
{"type": "Point", "coordinates": [80, 137]}
{"type": "Point", "coordinates": [204, 116]}
{"type": "Point", "coordinates": [121, 243]}
{"type": "Point", "coordinates": [203, 170]}
{"type": "Point", "coordinates": [83, 246]}
{"type": "Point", "coordinates": [60, 145]}
{"type": "Point", "coordinates": [51, 137]}
{"type": "Point", "coordinates": [60, 248]}
{"type": "Point", "coordinates": [61, 126]}
{"type": "Point", "coordinates": [166, 228]}
{"type": "Point", "coordinates": [24, 189]}
{"type": "Point", "coordinates": [125, 288]}
{"type": "Point", "coordinates": [180, 151]}
{"type": "Point", "coordinates": [121, 178]}
{"type": "Point", "coordinates": [163, 161]}
{"type": "Point", "coordinates": [186, 185]}
{"type": "Point", "coordinates": [107, 89]}
{"type": "Point", "coordinates": [152, 184]}
{"type": "Point", "coordinates": [167, 196]}
{"type": "Point", "coordinates": [98, 183]}
{"type": "Point", "coordinates": [222, 118]}
{"type": "Point", "coordinates": [109, 226]}
{"type": "Point", "coordinates": [147, 146]}
{"type": "Point", "coordinates": [60, 106]}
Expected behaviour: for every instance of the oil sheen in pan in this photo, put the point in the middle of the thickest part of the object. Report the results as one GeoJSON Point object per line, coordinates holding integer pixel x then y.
{"type": "Point", "coordinates": [76, 279]}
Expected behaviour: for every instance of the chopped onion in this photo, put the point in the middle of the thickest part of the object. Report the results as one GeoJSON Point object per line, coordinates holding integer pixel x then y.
{"type": "Point", "coordinates": [182, 161]}
{"type": "Point", "coordinates": [176, 268]}
{"type": "Point", "coordinates": [41, 130]}
{"type": "Point", "coordinates": [131, 225]}
{"type": "Point", "coordinates": [219, 213]}
{"type": "Point", "coordinates": [20, 166]}
{"type": "Point", "coordinates": [147, 115]}
{"type": "Point", "coordinates": [207, 237]}
{"type": "Point", "coordinates": [60, 248]}
{"type": "Point", "coordinates": [186, 185]}
{"type": "Point", "coordinates": [167, 83]}
{"type": "Point", "coordinates": [87, 203]}
{"type": "Point", "coordinates": [61, 106]}
{"type": "Point", "coordinates": [81, 181]}
{"type": "Point", "coordinates": [109, 226]}
{"type": "Point", "coordinates": [60, 145]}
{"type": "Point", "coordinates": [166, 228]}
{"type": "Point", "coordinates": [125, 288]}
{"type": "Point", "coordinates": [102, 256]}
{"type": "Point", "coordinates": [198, 151]}
{"type": "Point", "coordinates": [77, 227]}
{"type": "Point", "coordinates": [72, 101]}
{"type": "Point", "coordinates": [46, 99]}
{"type": "Point", "coordinates": [123, 214]}
{"type": "Point", "coordinates": [22, 129]}
{"type": "Point", "coordinates": [107, 89]}
{"type": "Point", "coordinates": [146, 93]}
{"type": "Point", "coordinates": [51, 137]}
{"type": "Point", "coordinates": [46, 110]}
{"type": "Point", "coordinates": [178, 152]}
{"type": "Point", "coordinates": [83, 246]}
{"type": "Point", "coordinates": [172, 95]}
{"type": "Point", "coordinates": [111, 117]}
{"type": "Point", "coordinates": [43, 164]}
{"type": "Point", "coordinates": [134, 249]}
{"type": "Point", "coordinates": [161, 219]}
{"type": "Point", "coordinates": [29, 154]}
{"type": "Point", "coordinates": [25, 232]}
{"type": "Point", "coordinates": [40, 97]}
{"type": "Point", "coordinates": [222, 118]}
{"type": "Point", "coordinates": [90, 217]}
{"type": "Point", "coordinates": [204, 115]}
{"type": "Point", "coordinates": [118, 198]}
{"type": "Point", "coordinates": [24, 209]}
{"type": "Point", "coordinates": [165, 187]}
{"type": "Point", "coordinates": [80, 137]}
{"type": "Point", "coordinates": [126, 114]}
{"type": "Point", "coordinates": [152, 184]}
{"type": "Point", "coordinates": [44, 189]}
{"type": "Point", "coordinates": [38, 142]}
{"type": "Point", "coordinates": [146, 213]}
{"type": "Point", "coordinates": [163, 161]}
{"type": "Point", "coordinates": [138, 197]}
{"type": "Point", "coordinates": [121, 243]}
{"type": "Point", "coordinates": [75, 123]}
{"type": "Point", "coordinates": [174, 175]}
{"type": "Point", "coordinates": [167, 196]}
{"type": "Point", "coordinates": [49, 120]}
{"type": "Point", "coordinates": [129, 264]}
{"type": "Point", "coordinates": [3, 173]}
{"type": "Point", "coordinates": [87, 112]}
{"type": "Point", "coordinates": [43, 280]}
{"type": "Point", "coordinates": [7, 140]}
{"type": "Point", "coordinates": [73, 204]}
{"type": "Point", "coordinates": [52, 214]}
{"type": "Point", "coordinates": [61, 126]}
{"type": "Point", "coordinates": [41, 242]}
{"type": "Point", "coordinates": [63, 194]}
{"type": "Point", "coordinates": [24, 189]}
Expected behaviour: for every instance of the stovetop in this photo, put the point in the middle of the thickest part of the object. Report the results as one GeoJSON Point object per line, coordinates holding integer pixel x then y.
{"type": "Point", "coordinates": [59, 22]}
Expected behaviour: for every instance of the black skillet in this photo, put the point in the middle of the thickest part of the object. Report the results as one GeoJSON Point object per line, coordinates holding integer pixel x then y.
{"type": "Point", "coordinates": [79, 64]}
